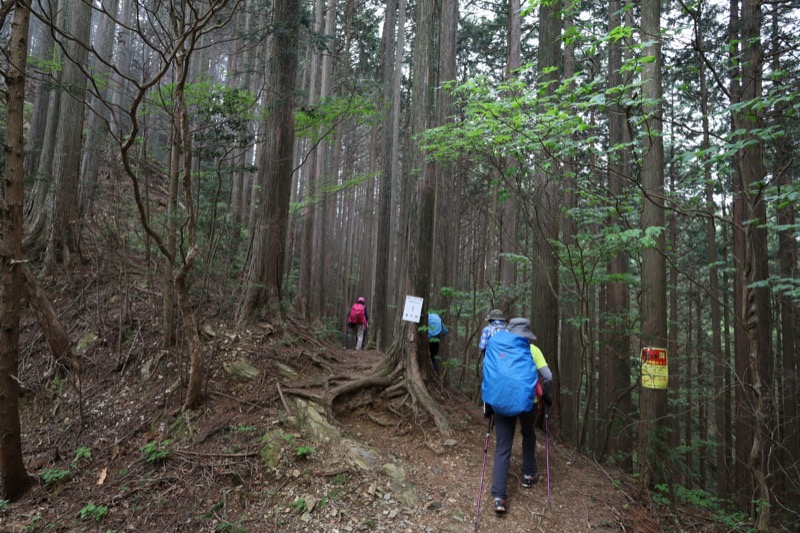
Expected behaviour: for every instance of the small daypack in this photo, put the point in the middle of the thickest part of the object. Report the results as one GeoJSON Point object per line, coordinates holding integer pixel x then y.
{"type": "Point", "coordinates": [356, 314]}
{"type": "Point", "coordinates": [435, 326]}
{"type": "Point", "coordinates": [509, 374]}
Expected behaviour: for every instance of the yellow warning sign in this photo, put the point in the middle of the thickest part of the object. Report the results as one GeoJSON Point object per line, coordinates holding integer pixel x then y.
{"type": "Point", "coordinates": [655, 373]}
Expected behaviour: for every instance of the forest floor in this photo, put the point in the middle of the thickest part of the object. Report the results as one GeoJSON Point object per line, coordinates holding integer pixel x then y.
{"type": "Point", "coordinates": [113, 452]}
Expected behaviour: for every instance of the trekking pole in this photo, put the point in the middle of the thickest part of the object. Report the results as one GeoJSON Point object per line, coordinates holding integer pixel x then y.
{"type": "Point", "coordinates": [547, 453]}
{"type": "Point", "coordinates": [483, 469]}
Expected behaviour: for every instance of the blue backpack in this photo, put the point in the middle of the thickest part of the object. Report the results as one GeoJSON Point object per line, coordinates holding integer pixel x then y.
{"type": "Point", "coordinates": [435, 326]}
{"type": "Point", "coordinates": [509, 374]}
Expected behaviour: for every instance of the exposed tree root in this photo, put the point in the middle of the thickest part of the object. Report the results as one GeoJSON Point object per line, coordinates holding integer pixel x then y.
{"type": "Point", "coordinates": [327, 398]}
{"type": "Point", "coordinates": [395, 383]}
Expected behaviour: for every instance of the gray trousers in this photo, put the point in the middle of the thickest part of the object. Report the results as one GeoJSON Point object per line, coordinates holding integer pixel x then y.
{"type": "Point", "coordinates": [504, 427]}
{"type": "Point", "coordinates": [360, 336]}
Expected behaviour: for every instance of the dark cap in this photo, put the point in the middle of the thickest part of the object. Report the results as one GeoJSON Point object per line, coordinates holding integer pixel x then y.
{"type": "Point", "coordinates": [495, 314]}
{"type": "Point", "coordinates": [522, 327]}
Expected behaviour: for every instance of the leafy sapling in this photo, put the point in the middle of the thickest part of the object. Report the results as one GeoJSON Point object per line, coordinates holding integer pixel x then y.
{"type": "Point", "coordinates": [96, 512]}
{"type": "Point", "coordinates": [156, 451]}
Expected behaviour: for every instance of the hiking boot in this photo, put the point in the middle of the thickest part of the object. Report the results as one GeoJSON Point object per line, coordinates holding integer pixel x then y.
{"type": "Point", "coordinates": [499, 505]}
{"type": "Point", "coordinates": [529, 481]}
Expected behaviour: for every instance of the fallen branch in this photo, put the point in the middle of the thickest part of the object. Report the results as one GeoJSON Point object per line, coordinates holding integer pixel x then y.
{"type": "Point", "coordinates": [286, 405]}
{"type": "Point", "coordinates": [57, 338]}
{"type": "Point", "coordinates": [206, 454]}
{"type": "Point", "coordinates": [245, 402]}
{"type": "Point", "coordinates": [379, 421]}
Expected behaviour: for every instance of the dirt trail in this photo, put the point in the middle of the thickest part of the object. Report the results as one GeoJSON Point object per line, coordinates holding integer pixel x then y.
{"type": "Point", "coordinates": [213, 475]}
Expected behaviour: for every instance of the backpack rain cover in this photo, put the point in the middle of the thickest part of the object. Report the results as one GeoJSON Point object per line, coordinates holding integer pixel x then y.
{"type": "Point", "coordinates": [356, 314]}
{"type": "Point", "coordinates": [509, 374]}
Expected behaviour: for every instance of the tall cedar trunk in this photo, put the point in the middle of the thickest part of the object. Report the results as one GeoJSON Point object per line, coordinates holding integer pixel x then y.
{"type": "Point", "coordinates": [445, 234]}
{"type": "Point", "coordinates": [790, 345]}
{"type": "Point", "coordinates": [327, 170]}
{"type": "Point", "coordinates": [720, 365]}
{"type": "Point", "coordinates": [124, 71]}
{"type": "Point", "coordinates": [569, 341]}
{"type": "Point", "coordinates": [409, 348]}
{"type": "Point", "coordinates": [492, 246]}
{"type": "Point", "coordinates": [328, 238]}
{"type": "Point", "coordinates": [13, 477]}
{"type": "Point", "coordinates": [702, 411]}
{"type": "Point", "coordinates": [332, 239]}
{"type": "Point", "coordinates": [368, 222]}
{"type": "Point", "coordinates": [790, 342]}
{"type": "Point", "coordinates": [420, 180]}
{"type": "Point", "coordinates": [268, 244]}
{"type": "Point", "coordinates": [307, 259]}
{"type": "Point", "coordinates": [688, 394]}
{"type": "Point", "coordinates": [64, 236]}
{"type": "Point", "coordinates": [508, 238]}
{"type": "Point", "coordinates": [168, 310]}
{"type": "Point", "coordinates": [382, 258]}
{"type": "Point", "coordinates": [742, 483]}
{"type": "Point", "coordinates": [754, 313]}
{"type": "Point", "coordinates": [254, 207]}
{"type": "Point", "coordinates": [677, 379]}
{"type": "Point", "coordinates": [395, 249]}
{"type": "Point", "coordinates": [241, 76]}
{"type": "Point", "coordinates": [38, 210]}
{"type": "Point", "coordinates": [615, 397]}
{"type": "Point", "coordinates": [545, 284]}
{"type": "Point", "coordinates": [324, 172]}
{"type": "Point", "coordinates": [729, 311]}
{"type": "Point", "coordinates": [653, 402]}
{"type": "Point", "coordinates": [36, 135]}
{"type": "Point", "coordinates": [99, 116]}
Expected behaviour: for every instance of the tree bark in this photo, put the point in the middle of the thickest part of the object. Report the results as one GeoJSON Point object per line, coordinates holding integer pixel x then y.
{"type": "Point", "coordinates": [324, 170]}
{"type": "Point", "coordinates": [445, 231]}
{"type": "Point", "coordinates": [380, 307]}
{"type": "Point", "coordinates": [545, 284]}
{"type": "Point", "coordinates": [38, 210]}
{"type": "Point", "coordinates": [790, 320]}
{"type": "Point", "coordinates": [653, 402]}
{"type": "Point", "coordinates": [97, 128]}
{"type": "Point", "coordinates": [60, 344]}
{"type": "Point", "coordinates": [63, 240]}
{"type": "Point", "coordinates": [508, 235]}
{"type": "Point", "coordinates": [264, 283]}
{"type": "Point", "coordinates": [409, 349]}
{"type": "Point", "coordinates": [43, 45]}
{"type": "Point", "coordinates": [305, 280]}
{"type": "Point", "coordinates": [615, 398]}
{"type": "Point", "coordinates": [754, 313]}
{"type": "Point", "coordinates": [14, 479]}
{"type": "Point", "coordinates": [720, 364]}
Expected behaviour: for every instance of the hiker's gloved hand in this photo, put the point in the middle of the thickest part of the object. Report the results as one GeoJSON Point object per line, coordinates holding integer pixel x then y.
{"type": "Point", "coordinates": [487, 410]}
{"type": "Point", "coordinates": [547, 399]}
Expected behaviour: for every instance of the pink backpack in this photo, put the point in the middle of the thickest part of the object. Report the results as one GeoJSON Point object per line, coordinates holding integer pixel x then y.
{"type": "Point", "coordinates": [356, 314]}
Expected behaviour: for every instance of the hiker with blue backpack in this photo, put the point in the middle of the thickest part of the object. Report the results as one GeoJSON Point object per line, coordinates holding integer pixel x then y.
{"type": "Point", "coordinates": [436, 330]}
{"type": "Point", "coordinates": [512, 366]}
